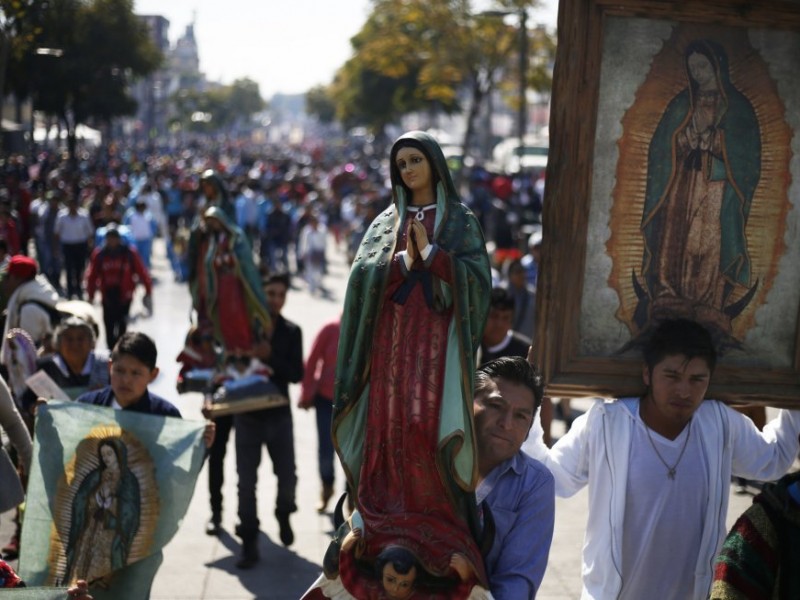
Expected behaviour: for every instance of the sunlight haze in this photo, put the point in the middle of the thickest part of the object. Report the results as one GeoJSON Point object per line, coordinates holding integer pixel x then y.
{"type": "Point", "coordinates": [287, 47]}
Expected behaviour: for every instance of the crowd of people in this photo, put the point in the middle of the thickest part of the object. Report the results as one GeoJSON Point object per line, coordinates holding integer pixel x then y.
{"type": "Point", "coordinates": [451, 473]}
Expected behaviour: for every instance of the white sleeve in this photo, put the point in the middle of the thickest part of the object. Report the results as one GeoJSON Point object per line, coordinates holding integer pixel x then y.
{"type": "Point", "coordinates": [764, 455]}
{"type": "Point", "coordinates": [568, 459]}
{"type": "Point", "coordinates": [406, 259]}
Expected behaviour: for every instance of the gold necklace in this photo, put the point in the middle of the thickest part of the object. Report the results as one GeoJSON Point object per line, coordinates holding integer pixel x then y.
{"type": "Point", "coordinates": [670, 470]}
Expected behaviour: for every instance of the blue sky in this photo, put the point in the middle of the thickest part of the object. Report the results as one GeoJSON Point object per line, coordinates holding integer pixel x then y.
{"type": "Point", "coordinates": [286, 46]}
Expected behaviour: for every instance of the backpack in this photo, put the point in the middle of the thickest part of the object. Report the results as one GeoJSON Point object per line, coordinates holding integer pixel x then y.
{"type": "Point", "coordinates": [56, 315]}
{"type": "Point", "coordinates": [64, 309]}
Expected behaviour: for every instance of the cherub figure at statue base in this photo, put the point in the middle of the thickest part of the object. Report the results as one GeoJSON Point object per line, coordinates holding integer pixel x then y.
{"type": "Point", "coordinates": [394, 575]}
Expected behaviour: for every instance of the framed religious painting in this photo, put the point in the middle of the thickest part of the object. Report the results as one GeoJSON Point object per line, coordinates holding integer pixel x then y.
{"type": "Point", "coordinates": [673, 191]}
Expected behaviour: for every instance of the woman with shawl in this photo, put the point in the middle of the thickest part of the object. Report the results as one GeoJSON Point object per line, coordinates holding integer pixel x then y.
{"type": "Point", "coordinates": [416, 303]}
{"type": "Point", "coordinates": [704, 164]}
{"type": "Point", "coordinates": [105, 516]}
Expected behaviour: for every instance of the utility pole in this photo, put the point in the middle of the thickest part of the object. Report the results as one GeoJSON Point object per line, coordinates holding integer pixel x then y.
{"type": "Point", "coordinates": [522, 117]}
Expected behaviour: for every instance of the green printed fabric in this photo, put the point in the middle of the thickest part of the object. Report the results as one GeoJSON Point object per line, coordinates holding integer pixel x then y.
{"type": "Point", "coordinates": [35, 594]}
{"type": "Point", "coordinates": [107, 491]}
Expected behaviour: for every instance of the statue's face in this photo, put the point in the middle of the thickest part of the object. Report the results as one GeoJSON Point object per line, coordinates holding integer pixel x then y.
{"type": "Point", "coordinates": [109, 456]}
{"type": "Point", "coordinates": [701, 69]}
{"type": "Point", "coordinates": [214, 224]}
{"type": "Point", "coordinates": [414, 167]}
{"type": "Point", "coordinates": [209, 190]}
{"type": "Point", "coordinates": [396, 585]}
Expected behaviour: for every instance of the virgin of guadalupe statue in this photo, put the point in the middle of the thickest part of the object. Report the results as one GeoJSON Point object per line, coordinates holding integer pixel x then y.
{"type": "Point", "coordinates": [105, 516]}
{"type": "Point", "coordinates": [416, 304]}
{"type": "Point", "coordinates": [704, 164]}
{"type": "Point", "coordinates": [227, 292]}
{"type": "Point", "coordinates": [215, 195]}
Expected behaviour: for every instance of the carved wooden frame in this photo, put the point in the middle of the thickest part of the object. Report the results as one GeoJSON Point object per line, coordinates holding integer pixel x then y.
{"type": "Point", "coordinates": [573, 125]}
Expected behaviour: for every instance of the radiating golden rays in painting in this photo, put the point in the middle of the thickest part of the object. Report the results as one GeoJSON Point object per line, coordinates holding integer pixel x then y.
{"type": "Point", "coordinates": [765, 226]}
{"type": "Point", "coordinates": [117, 525]}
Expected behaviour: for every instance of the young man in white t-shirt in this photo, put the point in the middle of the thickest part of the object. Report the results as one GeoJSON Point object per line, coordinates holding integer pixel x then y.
{"type": "Point", "coordinates": [659, 469]}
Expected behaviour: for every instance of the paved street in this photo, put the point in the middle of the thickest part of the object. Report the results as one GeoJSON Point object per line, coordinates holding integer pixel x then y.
{"type": "Point", "coordinates": [200, 567]}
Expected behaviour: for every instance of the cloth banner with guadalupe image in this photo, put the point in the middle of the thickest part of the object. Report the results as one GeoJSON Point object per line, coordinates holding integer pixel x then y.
{"type": "Point", "coordinates": [107, 491]}
{"type": "Point", "coordinates": [35, 594]}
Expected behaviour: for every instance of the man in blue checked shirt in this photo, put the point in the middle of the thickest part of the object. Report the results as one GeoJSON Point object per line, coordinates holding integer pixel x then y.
{"type": "Point", "coordinates": [517, 490]}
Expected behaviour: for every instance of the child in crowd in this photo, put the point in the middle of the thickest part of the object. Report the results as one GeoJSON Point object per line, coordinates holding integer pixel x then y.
{"type": "Point", "coordinates": [133, 368]}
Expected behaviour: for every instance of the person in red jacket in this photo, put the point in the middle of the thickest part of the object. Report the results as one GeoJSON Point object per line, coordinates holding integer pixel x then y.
{"type": "Point", "coordinates": [115, 269]}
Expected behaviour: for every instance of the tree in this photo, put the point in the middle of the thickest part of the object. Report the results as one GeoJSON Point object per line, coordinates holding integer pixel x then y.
{"type": "Point", "coordinates": [487, 47]}
{"type": "Point", "coordinates": [423, 55]}
{"type": "Point", "coordinates": [364, 96]}
{"type": "Point", "coordinates": [192, 111]}
{"type": "Point", "coordinates": [21, 25]}
{"type": "Point", "coordinates": [245, 98]}
{"type": "Point", "coordinates": [492, 44]}
{"type": "Point", "coordinates": [104, 46]}
{"type": "Point", "coordinates": [406, 58]}
{"type": "Point", "coordinates": [541, 45]}
{"type": "Point", "coordinates": [215, 109]}
{"type": "Point", "coordinates": [320, 104]}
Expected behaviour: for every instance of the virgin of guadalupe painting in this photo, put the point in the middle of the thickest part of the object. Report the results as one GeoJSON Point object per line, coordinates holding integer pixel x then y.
{"type": "Point", "coordinates": [106, 508]}
{"type": "Point", "coordinates": [703, 168]}
{"type": "Point", "coordinates": [697, 226]}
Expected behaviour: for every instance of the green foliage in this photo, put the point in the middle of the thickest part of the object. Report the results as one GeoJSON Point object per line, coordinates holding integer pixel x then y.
{"type": "Point", "coordinates": [407, 57]}
{"type": "Point", "coordinates": [217, 108]}
{"type": "Point", "coordinates": [103, 47]}
{"type": "Point", "coordinates": [22, 25]}
{"type": "Point", "coordinates": [422, 55]}
{"type": "Point", "coordinates": [245, 98]}
{"type": "Point", "coordinates": [543, 53]}
{"type": "Point", "coordinates": [320, 104]}
{"type": "Point", "coordinates": [365, 96]}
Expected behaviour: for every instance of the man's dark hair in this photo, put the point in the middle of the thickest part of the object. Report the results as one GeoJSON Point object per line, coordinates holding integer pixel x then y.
{"type": "Point", "coordinates": [282, 278]}
{"type": "Point", "coordinates": [137, 345]}
{"type": "Point", "coordinates": [513, 369]}
{"type": "Point", "coordinates": [501, 299]}
{"type": "Point", "coordinates": [401, 559]}
{"type": "Point", "coordinates": [680, 336]}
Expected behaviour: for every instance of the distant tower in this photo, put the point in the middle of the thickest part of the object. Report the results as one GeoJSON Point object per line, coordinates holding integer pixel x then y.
{"type": "Point", "coordinates": [185, 60]}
